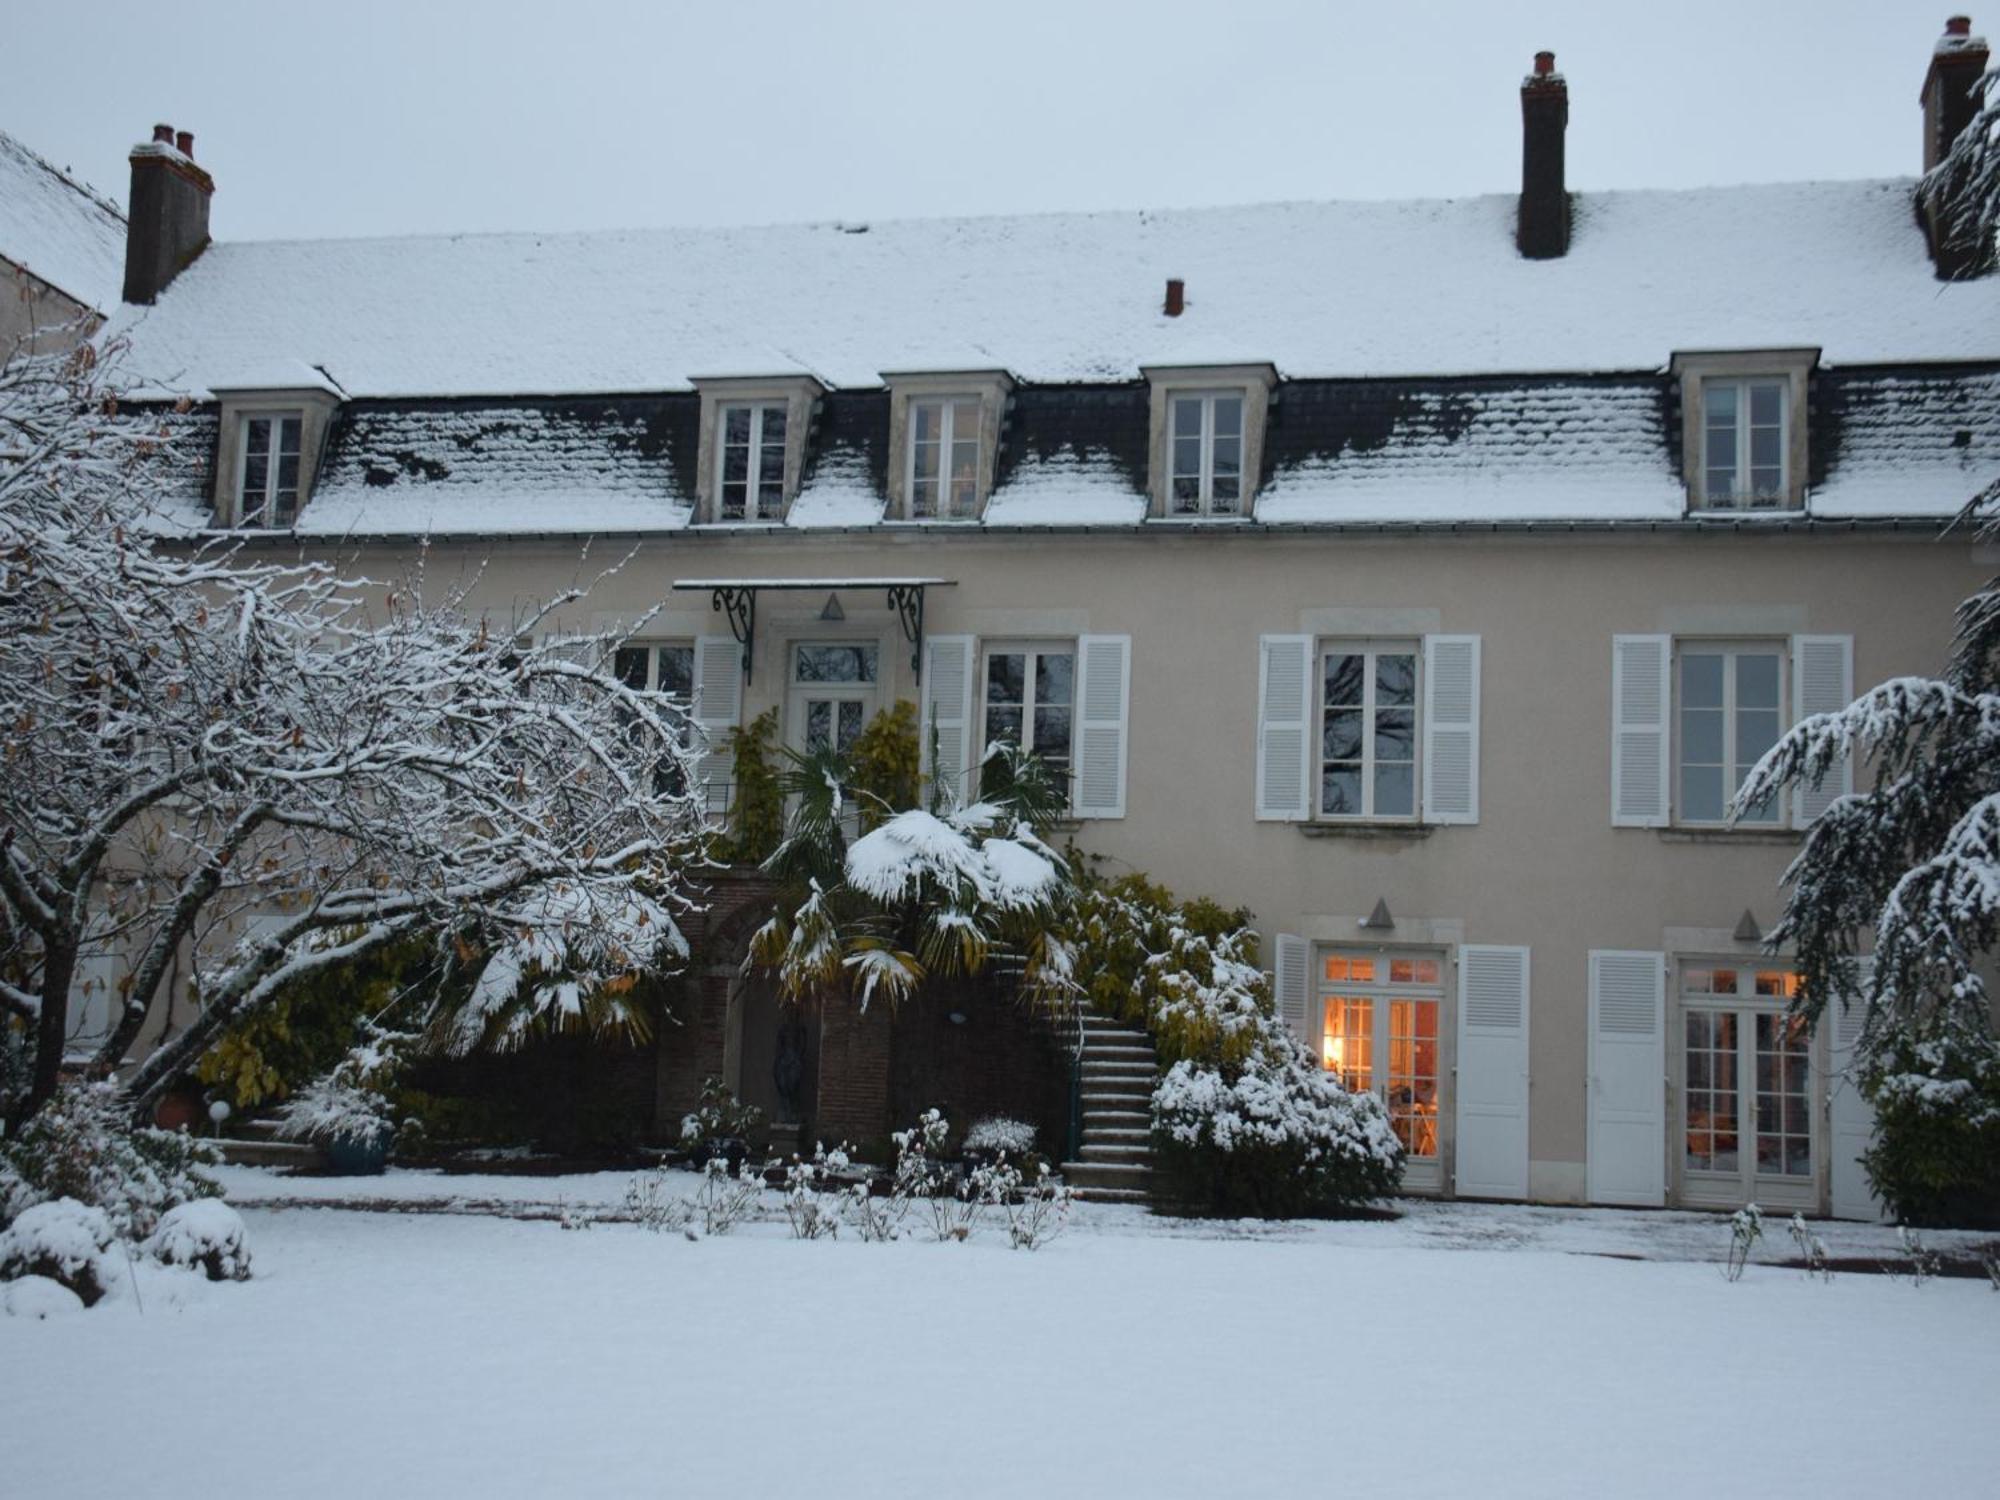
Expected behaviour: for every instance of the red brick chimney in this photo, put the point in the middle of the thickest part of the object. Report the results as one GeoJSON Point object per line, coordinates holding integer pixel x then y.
{"type": "Point", "coordinates": [167, 224]}
{"type": "Point", "coordinates": [1542, 226]}
{"type": "Point", "coordinates": [1957, 62]}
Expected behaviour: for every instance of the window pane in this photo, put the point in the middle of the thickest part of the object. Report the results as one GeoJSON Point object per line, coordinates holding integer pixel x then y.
{"type": "Point", "coordinates": [774, 426]}
{"type": "Point", "coordinates": [1701, 680]}
{"type": "Point", "coordinates": [1340, 737]}
{"type": "Point", "coordinates": [1224, 493]}
{"type": "Point", "coordinates": [288, 436]}
{"type": "Point", "coordinates": [835, 663]}
{"type": "Point", "coordinates": [1006, 677]}
{"type": "Point", "coordinates": [735, 465]}
{"type": "Point", "coordinates": [1003, 723]}
{"type": "Point", "coordinates": [1228, 457]}
{"type": "Point", "coordinates": [819, 724]}
{"type": "Point", "coordinates": [1228, 418]}
{"type": "Point", "coordinates": [1344, 678]}
{"type": "Point", "coordinates": [1701, 736]}
{"type": "Point", "coordinates": [1766, 450]}
{"type": "Point", "coordinates": [1052, 734]}
{"type": "Point", "coordinates": [850, 724]}
{"type": "Point", "coordinates": [1395, 734]}
{"type": "Point", "coordinates": [1765, 403]}
{"type": "Point", "coordinates": [736, 425]}
{"type": "Point", "coordinates": [1054, 672]}
{"type": "Point", "coordinates": [1701, 794]}
{"type": "Point", "coordinates": [677, 670]}
{"type": "Point", "coordinates": [1395, 790]}
{"type": "Point", "coordinates": [1187, 458]}
{"type": "Point", "coordinates": [965, 421]}
{"type": "Point", "coordinates": [1346, 1040]}
{"type": "Point", "coordinates": [1413, 1074]}
{"type": "Point", "coordinates": [1395, 680]}
{"type": "Point", "coordinates": [257, 436]}
{"type": "Point", "coordinates": [629, 665]}
{"type": "Point", "coordinates": [772, 469]}
{"type": "Point", "coordinates": [1757, 681]}
{"type": "Point", "coordinates": [1187, 418]}
{"type": "Point", "coordinates": [1187, 494]}
{"type": "Point", "coordinates": [1756, 732]}
{"type": "Point", "coordinates": [256, 473]}
{"type": "Point", "coordinates": [925, 418]}
{"type": "Point", "coordinates": [1340, 791]}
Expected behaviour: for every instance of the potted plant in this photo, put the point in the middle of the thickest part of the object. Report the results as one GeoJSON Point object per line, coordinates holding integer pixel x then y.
{"type": "Point", "coordinates": [347, 1112]}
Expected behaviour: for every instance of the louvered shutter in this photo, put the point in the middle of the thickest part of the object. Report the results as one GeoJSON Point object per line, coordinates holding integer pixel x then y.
{"type": "Point", "coordinates": [717, 709]}
{"type": "Point", "coordinates": [1822, 683]}
{"type": "Point", "coordinates": [1641, 698]}
{"type": "Point", "coordinates": [1293, 978]}
{"type": "Point", "coordinates": [1492, 1137]}
{"type": "Point", "coordinates": [1103, 695]}
{"type": "Point", "coordinates": [1850, 1117]}
{"type": "Point", "coordinates": [947, 730]}
{"type": "Point", "coordinates": [1284, 735]}
{"type": "Point", "coordinates": [1627, 1142]}
{"type": "Point", "coordinates": [1451, 729]}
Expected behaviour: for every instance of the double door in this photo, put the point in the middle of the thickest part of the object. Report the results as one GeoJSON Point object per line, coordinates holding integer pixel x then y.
{"type": "Point", "coordinates": [1747, 1092]}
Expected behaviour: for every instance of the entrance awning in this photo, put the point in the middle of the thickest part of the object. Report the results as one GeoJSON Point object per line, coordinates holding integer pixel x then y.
{"type": "Point", "coordinates": [736, 600]}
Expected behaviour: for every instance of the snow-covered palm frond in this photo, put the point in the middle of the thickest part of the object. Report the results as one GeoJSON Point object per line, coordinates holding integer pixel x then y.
{"type": "Point", "coordinates": [877, 965]}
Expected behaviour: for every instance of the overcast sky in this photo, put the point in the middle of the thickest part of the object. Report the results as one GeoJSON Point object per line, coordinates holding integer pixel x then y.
{"type": "Point", "coordinates": [353, 117]}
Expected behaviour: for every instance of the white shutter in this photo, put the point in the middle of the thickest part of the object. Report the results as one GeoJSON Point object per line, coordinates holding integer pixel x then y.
{"type": "Point", "coordinates": [1492, 1145]}
{"type": "Point", "coordinates": [1850, 1117]}
{"type": "Point", "coordinates": [949, 662]}
{"type": "Point", "coordinates": [1451, 729]}
{"type": "Point", "coordinates": [1293, 978]}
{"type": "Point", "coordinates": [1284, 737]}
{"type": "Point", "coordinates": [1641, 696]}
{"type": "Point", "coordinates": [1103, 694]}
{"type": "Point", "coordinates": [1822, 683]}
{"type": "Point", "coordinates": [1627, 1144]}
{"type": "Point", "coordinates": [717, 709]}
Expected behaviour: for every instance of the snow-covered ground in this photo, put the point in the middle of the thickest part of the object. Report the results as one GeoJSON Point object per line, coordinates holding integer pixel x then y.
{"type": "Point", "coordinates": [1457, 1350]}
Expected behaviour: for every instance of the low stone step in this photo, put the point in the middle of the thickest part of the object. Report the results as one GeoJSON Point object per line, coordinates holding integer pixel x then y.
{"type": "Point", "coordinates": [1092, 1068]}
{"type": "Point", "coordinates": [1131, 1153]}
{"type": "Point", "coordinates": [1116, 1135]}
{"type": "Point", "coordinates": [1118, 1083]}
{"type": "Point", "coordinates": [266, 1153]}
{"type": "Point", "coordinates": [1137, 1196]}
{"type": "Point", "coordinates": [1104, 1174]}
{"type": "Point", "coordinates": [1116, 1119]}
{"type": "Point", "coordinates": [1122, 1052]}
{"type": "Point", "coordinates": [1124, 1101]}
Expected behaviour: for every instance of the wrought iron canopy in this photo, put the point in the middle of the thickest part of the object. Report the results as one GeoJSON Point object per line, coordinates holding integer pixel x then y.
{"type": "Point", "coordinates": [735, 599]}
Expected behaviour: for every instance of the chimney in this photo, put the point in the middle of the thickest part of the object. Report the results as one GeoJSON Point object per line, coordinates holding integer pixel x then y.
{"type": "Point", "coordinates": [1176, 297]}
{"type": "Point", "coordinates": [167, 225]}
{"type": "Point", "coordinates": [1542, 227]}
{"type": "Point", "coordinates": [1957, 61]}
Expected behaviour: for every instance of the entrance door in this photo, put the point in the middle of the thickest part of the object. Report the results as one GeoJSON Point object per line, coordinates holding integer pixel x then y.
{"type": "Point", "coordinates": [1379, 1030]}
{"type": "Point", "coordinates": [832, 692]}
{"type": "Point", "coordinates": [1747, 1091]}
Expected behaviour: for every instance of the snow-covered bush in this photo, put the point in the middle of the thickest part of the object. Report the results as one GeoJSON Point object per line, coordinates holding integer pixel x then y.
{"type": "Point", "coordinates": [1036, 1206]}
{"type": "Point", "coordinates": [1935, 1156]}
{"type": "Point", "coordinates": [998, 1133]}
{"type": "Point", "coordinates": [205, 1236]}
{"type": "Point", "coordinates": [64, 1240]}
{"type": "Point", "coordinates": [721, 1122]}
{"type": "Point", "coordinates": [1746, 1228]}
{"type": "Point", "coordinates": [350, 1105]}
{"type": "Point", "coordinates": [38, 1297]}
{"type": "Point", "coordinates": [926, 1177]}
{"type": "Point", "coordinates": [723, 1200]}
{"type": "Point", "coordinates": [815, 1200]}
{"type": "Point", "coordinates": [1272, 1137]}
{"type": "Point", "coordinates": [1811, 1248]}
{"type": "Point", "coordinates": [82, 1145]}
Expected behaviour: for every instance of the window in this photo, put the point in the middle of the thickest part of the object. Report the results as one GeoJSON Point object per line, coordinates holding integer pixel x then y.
{"type": "Point", "coordinates": [1729, 712]}
{"type": "Point", "coordinates": [1030, 701]}
{"type": "Point", "coordinates": [833, 692]}
{"type": "Point", "coordinates": [667, 668]}
{"type": "Point", "coordinates": [1746, 1087]}
{"type": "Point", "coordinates": [1379, 1033]}
{"type": "Point", "coordinates": [750, 482]}
{"type": "Point", "coordinates": [1743, 443]}
{"type": "Point", "coordinates": [1206, 453]}
{"type": "Point", "coordinates": [1368, 730]}
{"type": "Point", "coordinates": [943, 475]}
{"type": "Point", "coordinates": [267, 492]}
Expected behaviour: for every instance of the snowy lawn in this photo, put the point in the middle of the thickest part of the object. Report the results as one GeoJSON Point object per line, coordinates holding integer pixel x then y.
{"type": "Point", "coordinates": [461, 1354]}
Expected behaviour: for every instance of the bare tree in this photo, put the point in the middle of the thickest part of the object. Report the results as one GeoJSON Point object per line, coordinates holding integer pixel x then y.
{"type": "Point", "coordinates": [190, 735]}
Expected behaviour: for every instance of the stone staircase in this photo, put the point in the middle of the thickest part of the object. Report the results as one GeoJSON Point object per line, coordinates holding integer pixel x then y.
{"type": "Point", "coordinates": [1115, 1159]}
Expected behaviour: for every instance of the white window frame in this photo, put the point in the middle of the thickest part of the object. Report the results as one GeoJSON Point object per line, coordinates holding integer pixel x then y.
{"type": "Point", "coordinates": [753, 508]}
{"type": "Point", "coordinates": [1205, 502]}
{"type": "Point", "coordinates": [867, 693]}
{"type": "Point", "coordinates": [950, 408]}
{"type": "Point", "coordinates": [278, 420]}
{"type": "Point", "coordinates": [798, 395]}
{"type": "Point", "coordinates": [1730, 650]}
{"type": "Point", "coordinates": [1370, 649]}
{"type": "Point", "coordinates": [1034, 650]}
{"type": "Point", "coordinates": [1737, 390]}
{"type": "Point", "coordinates": [988, 391]}
{"type": "Point", "coordinates": [1733, 371]}
{"type": "Point", "coordinates": [1167, 384]}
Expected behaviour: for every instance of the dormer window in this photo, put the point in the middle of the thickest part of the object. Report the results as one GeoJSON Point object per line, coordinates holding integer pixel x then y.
{"type": "Point", "coordinates": [1207, 438]}
{"type": "Point", "coordinates": [1743, 424]}
{"type": "Point", "coordinates": [944, 442]}
{"type": "Point", "coordinates": [267, 492]}
{"type": "Point", "coordinates": [1207, 453]}
{"type": "Point", "coordinates": [752, 446]}
{"type": "Point", "coordinates": [751, 483]}
{"type": "Point", "coordinates": [270, 445]}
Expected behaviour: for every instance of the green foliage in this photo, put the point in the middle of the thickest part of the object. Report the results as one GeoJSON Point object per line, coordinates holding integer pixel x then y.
{"type": "Point", "coordinates": [757, 811]}
{"type": "Point", "coordinates": [82, 1145]}
{"type": "Point", "coordinates": [1020, 783]}
{"type": "Point", "coordinates": [885, 761]}
{"type": "Point", "coordinates": [1935, 1159]}
{"type": "Point", "coordinates": [307, 1027]}
{"type": "Point", "coordinates": [720, 1117]}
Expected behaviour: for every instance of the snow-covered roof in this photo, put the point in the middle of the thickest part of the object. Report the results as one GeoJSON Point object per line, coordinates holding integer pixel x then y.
{"type": "Point", "coordinates": [62, 230]}
{"type": "Point", "coordinates": [1427, 287]}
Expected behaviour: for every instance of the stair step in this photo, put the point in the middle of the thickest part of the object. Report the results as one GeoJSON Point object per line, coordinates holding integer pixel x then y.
{"type": "Point", "coordinates": [1104, 1174]}
{"type": "Point", "coordinates": [1093, 1069]}
{"type": "Point", "coordinates": [241, 1153]}
{"type": "Point", "coordinates": [1122, 1053]}
{"type": "Point", "coordinates": [1116, 1119]}
{"type": "Point", "coordinates": [1110, 1153]}
{"type": "Point", "coordinates": [1114, 1195]}
{"type": "Point", "coordinates": [1116, 1135]}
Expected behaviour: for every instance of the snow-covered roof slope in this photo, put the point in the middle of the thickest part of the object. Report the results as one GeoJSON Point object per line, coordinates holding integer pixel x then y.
{"type": "Point", "coordinates": [1318, 289]}
{"type": "Point", "coordinates": [62, 230]}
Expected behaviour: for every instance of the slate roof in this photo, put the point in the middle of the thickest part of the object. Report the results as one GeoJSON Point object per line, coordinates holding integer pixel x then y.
{"type": "Point", "coordinates": [63, 231]}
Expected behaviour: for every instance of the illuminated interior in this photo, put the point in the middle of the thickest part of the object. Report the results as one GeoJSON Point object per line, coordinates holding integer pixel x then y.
{"type": "Point", "coordinates": [1357, 1029]}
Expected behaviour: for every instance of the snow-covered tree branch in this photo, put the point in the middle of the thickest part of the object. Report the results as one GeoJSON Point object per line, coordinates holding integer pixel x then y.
{"type": "Point", "coordinates": [259, 767]}
{"type": "Point", "coordinates": [1962, 191]}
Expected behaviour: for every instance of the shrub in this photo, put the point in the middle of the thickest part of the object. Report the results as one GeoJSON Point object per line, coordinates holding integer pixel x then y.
{"type": "Point", "coordinates": [1935, 1158]}
{"type": "Point", "coordinates": [885, 764]}
{"type": "Point", "coordinates": [65, 1241]}
{"type": "Point", "coordinates": [350, 1105]}
{"type": "Point", "coordinates": [82, 1145]}
{"type": "Point", "coordinates": [757, 807]}
{"type": "Point", "coordinates": [721, 1122]}
{"type": "Point", "coordinates": [205, 1236]}
{"type": "Point", "coordinates": [1272, 1138]}
{"type": "Point", "coordinates": [998, 1133]}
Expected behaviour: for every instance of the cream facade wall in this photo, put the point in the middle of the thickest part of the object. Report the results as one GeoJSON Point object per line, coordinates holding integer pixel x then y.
{"type": "Point", "coordinates": [1544, 867]}
{"type": "Point", "coordinates": [37, 317]}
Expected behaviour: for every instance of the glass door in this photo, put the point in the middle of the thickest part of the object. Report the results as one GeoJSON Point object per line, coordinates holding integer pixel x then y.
{"type": "Point", "coordinates": [1747, 1090]}
{"type": "Point", "coordinates": [832, 693]}
{"type": "Point", "coordinates": [1380, 1022]}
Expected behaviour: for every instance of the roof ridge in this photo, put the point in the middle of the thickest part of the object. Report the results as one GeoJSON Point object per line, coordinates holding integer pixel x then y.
{"type": "Point", "coordinates": [64, 175]}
